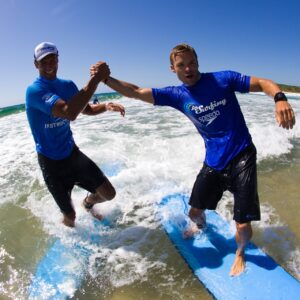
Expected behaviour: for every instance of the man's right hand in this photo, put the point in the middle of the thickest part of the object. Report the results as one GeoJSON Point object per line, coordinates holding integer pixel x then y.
{"type": "Point", "coordinates": [100, 70]}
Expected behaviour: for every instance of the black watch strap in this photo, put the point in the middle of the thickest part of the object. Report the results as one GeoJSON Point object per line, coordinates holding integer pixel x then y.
{"type": "Point", "coordinates": [280, 96]}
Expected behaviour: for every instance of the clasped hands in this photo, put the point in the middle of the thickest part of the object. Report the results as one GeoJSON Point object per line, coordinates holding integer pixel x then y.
{"type": "Point", "coordinates": [100, 70]}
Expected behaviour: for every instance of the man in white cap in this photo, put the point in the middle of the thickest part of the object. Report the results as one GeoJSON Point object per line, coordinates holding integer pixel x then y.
{"type": "Point", "coordinates": [51, 103]}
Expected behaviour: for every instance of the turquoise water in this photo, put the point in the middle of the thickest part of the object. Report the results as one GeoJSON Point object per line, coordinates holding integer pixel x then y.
{"type": "Point", "coordinates": [9, 110]}
{"type": "Point", "coordinates": [6, 111]}
{"type": "Point", "coordinates": [160, 153]}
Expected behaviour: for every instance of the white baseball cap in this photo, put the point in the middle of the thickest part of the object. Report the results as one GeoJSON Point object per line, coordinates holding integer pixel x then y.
{"type": "Point", "coordinates": [44, 49]}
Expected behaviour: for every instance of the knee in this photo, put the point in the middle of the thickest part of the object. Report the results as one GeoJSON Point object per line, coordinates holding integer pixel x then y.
{"type": "Point", "coordinates": [107, 194]}
{"type": "Point", "coordinates": [111, 194]}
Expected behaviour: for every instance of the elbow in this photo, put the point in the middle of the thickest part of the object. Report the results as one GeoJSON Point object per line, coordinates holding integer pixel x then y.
{"type": "Point", "coordinates": [266, 82]}
{"type": "Point", "coordinates": [70, 116]}
{"type": "Point", "coordinates": [261, 84]}
{"type": "Point", "coordinates": [137, 94]}
{"type": "Point", "coordinates": [62, 110]}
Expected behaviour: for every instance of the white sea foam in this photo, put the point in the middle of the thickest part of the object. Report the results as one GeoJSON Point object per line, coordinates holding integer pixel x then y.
{"type": "Point", "coordinates": [269, 138]}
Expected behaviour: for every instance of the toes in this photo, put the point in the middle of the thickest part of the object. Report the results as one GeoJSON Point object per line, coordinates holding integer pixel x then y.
{"type": "Point", "coordinates": [238, 266]}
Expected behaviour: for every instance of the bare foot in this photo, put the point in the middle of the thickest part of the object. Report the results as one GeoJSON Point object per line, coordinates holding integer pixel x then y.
{"type": "Point", "coordinates": [89, 207]}
{"type": "Point", "coordinates": [198, 216]}
{"type": "Point", "coordinates": [189, 232]}
{"type": "Point", "coordinates": [70, 222]}
{"type": "Point", "coordinates": [95, 214]}
{"type": "Point", "coordinates": [239, 264]}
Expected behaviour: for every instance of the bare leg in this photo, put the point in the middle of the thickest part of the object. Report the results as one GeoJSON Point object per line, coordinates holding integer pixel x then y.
{"type": "Point", "coordinates": [69, 219]}
{"type": "Point", "coordinates": [242, 237]}
{"type": "Point", "coordinates": [104, 192]}
{"type": "Point", "coordinates": [198, 219]}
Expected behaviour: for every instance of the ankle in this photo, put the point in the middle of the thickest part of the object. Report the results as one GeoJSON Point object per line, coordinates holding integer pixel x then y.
{"type": "Point", "coordinates": [69, 220]}
{"type": "Point", "coordinates": [87, 203]}
{"type": "Point", "coordinates": [240, 252]}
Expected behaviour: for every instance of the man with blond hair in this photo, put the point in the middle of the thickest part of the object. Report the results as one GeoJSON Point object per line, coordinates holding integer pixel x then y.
{"type": "Point", "coordinates": [209, 101]}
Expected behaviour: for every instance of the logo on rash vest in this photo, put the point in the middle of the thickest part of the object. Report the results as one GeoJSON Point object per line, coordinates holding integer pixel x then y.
{"type": "Point", "coordinates": [209, 113]}
{"type": "Point", "coordinates": [209, 118]}
{"type": "Point", "coordinates": [47, 97]}
{"type": "Point", "coordinates": [56, 124]}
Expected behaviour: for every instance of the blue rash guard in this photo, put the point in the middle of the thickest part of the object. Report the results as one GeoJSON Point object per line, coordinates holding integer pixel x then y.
{"type": "Point", "coordinates": [212, 106]}
{"type": "Point", "coordinates": [53, 136]}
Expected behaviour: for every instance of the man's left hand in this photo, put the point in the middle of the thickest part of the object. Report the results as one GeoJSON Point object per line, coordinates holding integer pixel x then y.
{"type": "Point", "coordinates": [115, 107]}
{"type": "Point", "coordinates": [284, 114]}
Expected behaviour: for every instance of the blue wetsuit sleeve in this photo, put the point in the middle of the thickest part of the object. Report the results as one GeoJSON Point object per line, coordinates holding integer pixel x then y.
{"type": "Point", "coordinates": [238, 82]}
{"type": "Point", "coordinates": [41, 99]}
{"type": "Point", "coordinates": [165, 96]}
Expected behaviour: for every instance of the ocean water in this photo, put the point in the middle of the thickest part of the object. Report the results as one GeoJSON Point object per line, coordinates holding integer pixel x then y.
{"type": "Point", "coordinates": [159, 152]}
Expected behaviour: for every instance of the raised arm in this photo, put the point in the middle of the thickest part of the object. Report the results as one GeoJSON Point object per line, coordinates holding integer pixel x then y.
{"type": "Point", "coordinates": [129, 90]}
{"type": "Point", "coordinates": [284, 113]}
{"type": "Point", "coordinates": [71, 109]}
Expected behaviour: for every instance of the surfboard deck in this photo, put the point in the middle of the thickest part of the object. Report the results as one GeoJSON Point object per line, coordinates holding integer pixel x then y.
{"type": "Point", "coordinates": [63, 268]}
{"type": "Point", "coordinates": [210, 254]}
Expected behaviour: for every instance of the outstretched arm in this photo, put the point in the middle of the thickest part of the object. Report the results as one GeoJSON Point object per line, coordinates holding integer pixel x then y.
{"type": "Point", "coordinates": [127, 89]}
{"type": "Point", "coordinates": [130, 90]}
{"type": "Point", "coordinates": [284, 113]}
{"type": "Point", "coordinates": [95, 109]}
{"type": "Point", "coordinates": [71, 109]}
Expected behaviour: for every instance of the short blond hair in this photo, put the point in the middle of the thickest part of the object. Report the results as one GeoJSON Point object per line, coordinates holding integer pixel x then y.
{"type": "Point", "coordinates": [180, 49]}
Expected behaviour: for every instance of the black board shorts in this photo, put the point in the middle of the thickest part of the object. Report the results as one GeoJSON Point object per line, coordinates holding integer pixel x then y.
{"type": "Point", "coordinates": [61, 176]}
{"type": "Point", "coordinates": [239, 177]}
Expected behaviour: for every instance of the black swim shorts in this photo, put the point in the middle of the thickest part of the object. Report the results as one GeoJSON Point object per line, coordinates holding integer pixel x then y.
{"type": "Point", "coordinates": [61, 176]}
{"type": "Point", "coordinates": [239, 177]}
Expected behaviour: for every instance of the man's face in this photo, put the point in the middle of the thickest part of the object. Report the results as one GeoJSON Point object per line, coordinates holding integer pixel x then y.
{"type": "Point", "coordinates": [48, 66]}
{"type": "Point", "coordinates": [185, 65]}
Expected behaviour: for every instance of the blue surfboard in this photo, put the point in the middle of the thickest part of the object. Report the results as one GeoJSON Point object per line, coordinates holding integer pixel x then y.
{"type": "Point", "coordinates": [62, 270]}
{"type": "Point", "coordinates": [210, 254]}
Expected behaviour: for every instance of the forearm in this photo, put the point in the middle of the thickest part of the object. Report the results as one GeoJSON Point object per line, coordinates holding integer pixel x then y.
{"type": "Point", "coordinates": [79, 101]}
{"type": "Point", "coordinates": [76, 104]}
{"type": "Point", "coordinates": [125, 88]}
{"type": "Point", "coordinates": [95, 109]}
{"type": "Point", "coordinates": [130, 90]}
{"type": "Point", "coordinates": [284, 113]}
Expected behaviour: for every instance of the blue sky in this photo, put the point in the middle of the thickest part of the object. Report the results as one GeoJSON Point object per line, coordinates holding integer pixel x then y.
{"type": "Point", "coordinates": [255, 37]}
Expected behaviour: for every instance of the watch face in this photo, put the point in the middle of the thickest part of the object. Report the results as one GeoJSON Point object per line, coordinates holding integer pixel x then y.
{"type": "Point", "coordinates": [280, 96]}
